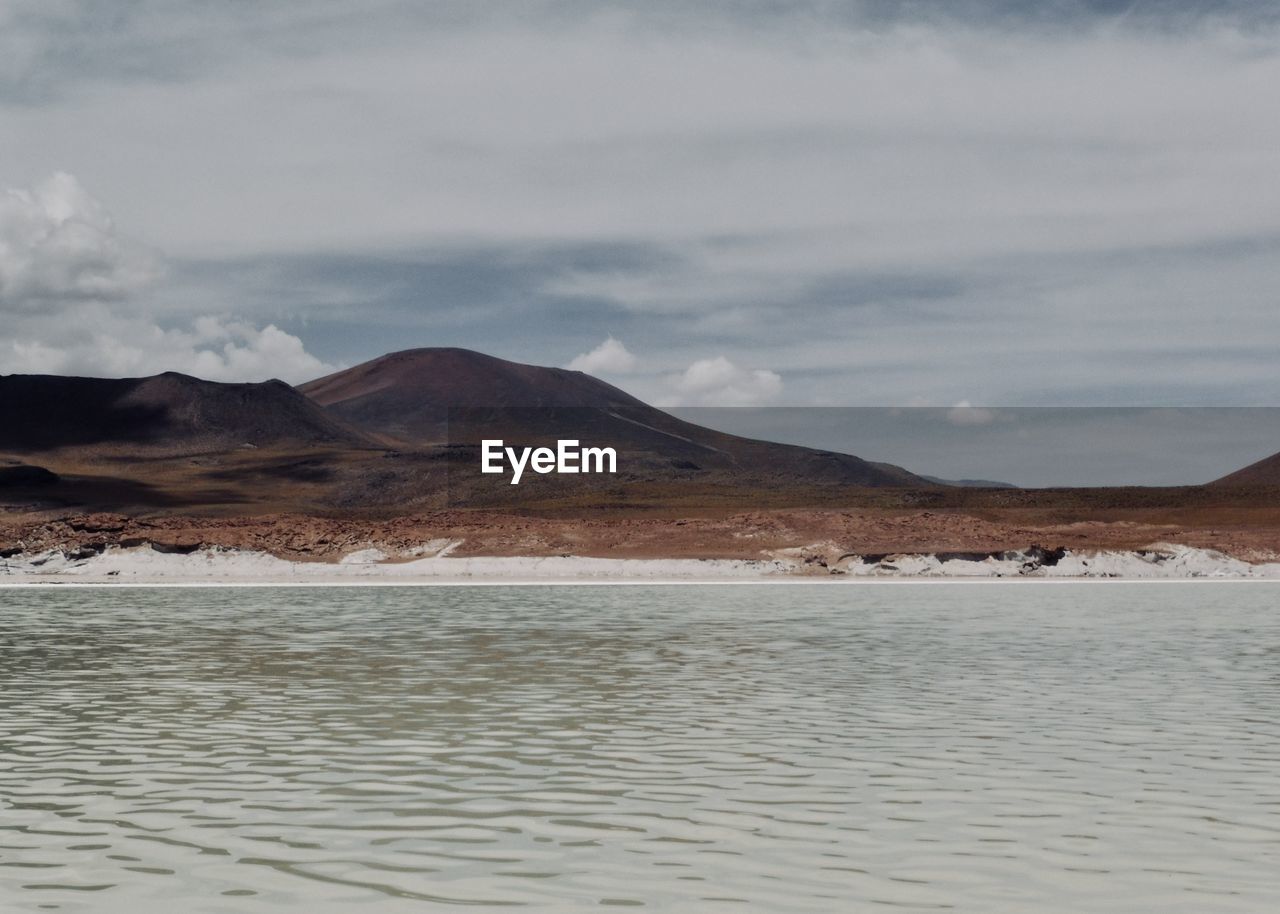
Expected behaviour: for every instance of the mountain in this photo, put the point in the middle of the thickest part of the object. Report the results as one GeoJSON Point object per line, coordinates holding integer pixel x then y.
{"type": "Point", "coordinates": [168, 414]}
{"type": "Point", "coordinates": [17, 474]}
{"type": "Point", "coordinates": [456, 397]}
{"type": "Point", "coordinates": [407, 395]}
{"type": "Point", "coordinates": [1266, 472]}
{"type": "Point", "coordinates": [399, 434]}
{"type": "Point", "coordinates": [970, 483]}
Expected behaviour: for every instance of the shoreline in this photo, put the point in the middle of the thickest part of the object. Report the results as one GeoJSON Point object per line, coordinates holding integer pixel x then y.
{"type": "Point", "coordinates": [143, 565]}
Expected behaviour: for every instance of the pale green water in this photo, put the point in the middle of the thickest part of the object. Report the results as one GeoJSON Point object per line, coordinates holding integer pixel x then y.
{"type": "Point", "coordinates": [977, 748]}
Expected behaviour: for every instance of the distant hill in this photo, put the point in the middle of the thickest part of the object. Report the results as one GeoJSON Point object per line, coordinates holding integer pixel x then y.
{"type": "Point", "coordinates": [1266, 472]}
{"type": "Point", "coordinates": [17, 474]}
{"type": "Point", "coordinates": [970, 483]}
{"type": "Point", "coordinates": [398, 434]}
{"type": "Point", "coordinates": [423, 397]}
{"type": "Point", "coordinates": [407, 395]}
{"type": "Point", "coordinates": [168, 413]}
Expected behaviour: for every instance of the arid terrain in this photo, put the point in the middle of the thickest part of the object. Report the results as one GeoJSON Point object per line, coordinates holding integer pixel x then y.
{"type": "Point", "coordinates": [1243, 527]}
{"type": "Point", "coordinates": [386, 455]}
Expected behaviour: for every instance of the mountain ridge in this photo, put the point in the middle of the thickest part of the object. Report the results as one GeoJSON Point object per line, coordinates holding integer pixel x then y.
{"type": "Point", "coordinates": [1264, 472]}
{"type": "Point", "coordinates": [447, 395]}
{"type": "Point", "coordinates": [168, 412]}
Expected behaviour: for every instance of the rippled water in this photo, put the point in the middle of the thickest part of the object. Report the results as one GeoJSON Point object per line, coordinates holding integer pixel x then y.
{"type": "Point", "coordinates": [830, 748]}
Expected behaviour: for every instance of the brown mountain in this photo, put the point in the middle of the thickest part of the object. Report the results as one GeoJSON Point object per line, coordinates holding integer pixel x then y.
{"type": "Point", "coordinates": [169, 414]}
{"type": "Point", "coordinates": [395, 435]}
{"type": "Point", "coordinates": [407, 395]}
{"type": "Point", "coordinates": [1266, 472]}
{"type": "Point", "coordinates": [456, 397]}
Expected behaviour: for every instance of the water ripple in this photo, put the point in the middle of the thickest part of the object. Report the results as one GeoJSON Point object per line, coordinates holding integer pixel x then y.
{"type": "Point", "coordinates": [969, 748]}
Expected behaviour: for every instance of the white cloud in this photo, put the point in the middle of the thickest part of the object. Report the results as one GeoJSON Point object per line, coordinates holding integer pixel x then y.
{"type": "Point", "coordinates": [706, 382]}
{"type": "Point", "coordinates": [1094, 175]}
{"type": "Point", "coordinates": [213, 348]}
{"type": "Point", "coordinates": [719, 382]}
{"type": "Point", "coordinates": [59, 243]}
{"type": "Point", "coordinates": [964, 413]}
{"type": "Point", "coordinates": [610, 357]}
{"type": "Point", "coordinates": [239, 351]}
{"type": "Point", "coordinates": [911, 142]}
{"type": "Point", "coordinates": [69, 302]}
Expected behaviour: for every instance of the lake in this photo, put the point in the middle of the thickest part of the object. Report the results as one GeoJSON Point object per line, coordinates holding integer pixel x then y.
{"type": "Point", "coordinates": [981, 747]}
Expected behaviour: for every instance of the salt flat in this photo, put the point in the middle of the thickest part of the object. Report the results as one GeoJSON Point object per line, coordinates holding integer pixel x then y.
{"type": "Point", "coordinates": [433, 563]}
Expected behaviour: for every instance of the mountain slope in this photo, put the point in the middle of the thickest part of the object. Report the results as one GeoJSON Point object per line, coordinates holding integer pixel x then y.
{"type": "Point", "coordinates": [1266, 472]}
{"type": "Point", "coordinates": [970, 483]}
{"type": "Point", "coordinates": [170, 413]}
{"type": "Point", "coordinates": [425, 397]}
{"type": "Point", "coordinates": [408, 394]}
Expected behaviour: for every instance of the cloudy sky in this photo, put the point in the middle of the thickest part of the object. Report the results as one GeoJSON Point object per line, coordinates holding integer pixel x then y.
{"type": "Point", "coordinates": [1073, 202]}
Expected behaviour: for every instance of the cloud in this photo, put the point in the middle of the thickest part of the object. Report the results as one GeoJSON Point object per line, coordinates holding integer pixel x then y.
{"type": "Point", "coordinates": [234, 350]}
{"type": "Point", "coordinates": [52, 47]}
{"type": "Point", "coordinates": [610, 357]}
{"type": "Point", "coordinates": [913, 138]}
{"type": "Point", "coordinates": [964, 413]}
{"type": "Point", "coordinates": [719, 382]}
{"type": "Point", "coordinates": [212, 348]}
{"type": "Point", "coordinates": [707, 382]}
{"type": "Point", "coordinates": [1092, 224]}
{"type": "Point", "coordinates": [59, 243]}
{"type": "Point", "coordinates": [71, 302]}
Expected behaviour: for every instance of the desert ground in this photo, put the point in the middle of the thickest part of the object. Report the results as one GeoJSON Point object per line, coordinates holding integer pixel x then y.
{"type": "Point", "coordinates": [1243, 525]}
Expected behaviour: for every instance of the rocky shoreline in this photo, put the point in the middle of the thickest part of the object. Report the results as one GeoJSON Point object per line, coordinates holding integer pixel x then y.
{"type": "Point", "coordinates": [436, 562]}
{"type": "Point", "coordinates": [823, 535]}
{"type": "Point", "coordinates": [794, 543]}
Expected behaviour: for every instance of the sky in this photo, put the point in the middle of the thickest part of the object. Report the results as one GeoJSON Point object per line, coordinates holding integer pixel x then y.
{"type": "Point", "coordinates": [1025, 446]}
{"type": "Point", "coordinates": [707, 203]}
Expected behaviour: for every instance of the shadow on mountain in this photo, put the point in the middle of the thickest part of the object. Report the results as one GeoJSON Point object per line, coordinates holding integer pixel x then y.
{"type": "Point", "coordinates": [171, 412]}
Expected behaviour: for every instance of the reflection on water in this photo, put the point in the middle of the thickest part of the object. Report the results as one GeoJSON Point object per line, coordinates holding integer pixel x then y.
{"type": "Point", "coordinates": [965, 747]}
